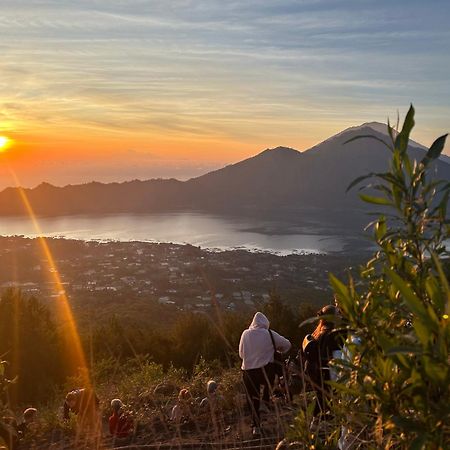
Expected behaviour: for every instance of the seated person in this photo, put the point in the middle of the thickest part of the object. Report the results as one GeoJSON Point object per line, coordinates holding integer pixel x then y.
{"type": "Point", "coordinates": [85, 405]}
{"type": "Point", "coordinates": [120, 423]}
{"type": "Point", "coordinates": [181, 410]}
{"type": "Point", "coordinates": [212, 397]}
{"type": "Point", "coordinates": [29, 421]}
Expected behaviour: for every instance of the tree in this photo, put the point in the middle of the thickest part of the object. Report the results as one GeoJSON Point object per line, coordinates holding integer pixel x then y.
{"type": "Point", "coordinates": [32, 345]}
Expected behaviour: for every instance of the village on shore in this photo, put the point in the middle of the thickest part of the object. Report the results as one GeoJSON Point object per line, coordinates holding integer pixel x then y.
{"type": "Point", "coordinates": [181, 277]}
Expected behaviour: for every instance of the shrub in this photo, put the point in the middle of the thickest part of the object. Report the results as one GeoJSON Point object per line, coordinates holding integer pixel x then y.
{"type": "Point", "coordinates": [394, 392]}
{"type": "Point", "coordinates": [29, 338]}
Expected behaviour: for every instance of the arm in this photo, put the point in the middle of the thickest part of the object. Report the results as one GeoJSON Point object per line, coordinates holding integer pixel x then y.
{"type": "Point", "coordinates": [281, 343]}
{"type": "Point", "coordinates": [241, 346]}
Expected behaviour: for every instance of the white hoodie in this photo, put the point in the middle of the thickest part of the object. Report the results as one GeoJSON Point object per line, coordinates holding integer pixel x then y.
{"type": "Point", "coordinates": [256, 348]}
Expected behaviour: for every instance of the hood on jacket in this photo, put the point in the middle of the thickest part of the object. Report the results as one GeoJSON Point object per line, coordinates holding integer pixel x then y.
{"type": "Point", "coordinates": [259, 321]}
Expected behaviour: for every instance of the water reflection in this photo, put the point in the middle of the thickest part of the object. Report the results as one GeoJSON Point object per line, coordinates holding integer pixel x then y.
{"type": "Point", "coordinates": [202, 230]}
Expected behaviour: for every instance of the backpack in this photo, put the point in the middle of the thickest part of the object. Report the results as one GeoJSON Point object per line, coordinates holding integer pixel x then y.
{"type": "Point", "coordinates": [279, 364]}
{"type": "Point", "coordinates": [312, 360]}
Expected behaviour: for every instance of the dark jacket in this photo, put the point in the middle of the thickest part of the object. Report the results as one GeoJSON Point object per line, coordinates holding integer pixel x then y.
{"type": "Point", "coordinates": [85, 401]}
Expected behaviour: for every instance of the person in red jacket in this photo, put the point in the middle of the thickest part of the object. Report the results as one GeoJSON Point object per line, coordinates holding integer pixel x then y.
{"type": "Point", "coordinates": [120, 423]}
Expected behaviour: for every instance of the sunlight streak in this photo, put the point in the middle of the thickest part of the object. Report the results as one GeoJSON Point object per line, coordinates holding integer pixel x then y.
{"type": "Point", "coordinates": [74, 353]}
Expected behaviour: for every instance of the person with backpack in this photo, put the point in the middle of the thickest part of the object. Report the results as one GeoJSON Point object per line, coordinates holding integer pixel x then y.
{"type": "Point", "coordinates": [257, 349]}
{"type": "Point", "coordinates": [319, 348]}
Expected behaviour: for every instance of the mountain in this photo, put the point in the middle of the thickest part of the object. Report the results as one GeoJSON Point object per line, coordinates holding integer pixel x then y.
{"type": "Point", "coordinates": [283, 179]}
{"type": "Point", "coordinates": [276, 183]}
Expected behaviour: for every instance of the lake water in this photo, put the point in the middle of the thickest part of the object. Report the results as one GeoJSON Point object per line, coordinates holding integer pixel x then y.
{"type": "Point", "coordinates": [206, 231]}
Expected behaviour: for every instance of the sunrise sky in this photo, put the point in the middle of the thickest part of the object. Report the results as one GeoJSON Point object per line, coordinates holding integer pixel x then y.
{"type": "Point", "coordinates": [114, 90]}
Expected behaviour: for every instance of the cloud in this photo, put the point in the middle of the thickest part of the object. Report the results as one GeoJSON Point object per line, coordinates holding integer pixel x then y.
{"type": "Point", "coordinates": [224, 70]}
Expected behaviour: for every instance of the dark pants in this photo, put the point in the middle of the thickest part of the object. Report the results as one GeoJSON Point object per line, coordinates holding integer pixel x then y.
{"type": "Point", "coordinates": [323, 392]}
{"type": "Point", "coordinates": [253, 380]}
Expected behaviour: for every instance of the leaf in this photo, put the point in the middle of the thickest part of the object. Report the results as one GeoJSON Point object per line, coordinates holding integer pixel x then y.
{"type": "Point", "coordinates": [401, 142]}
{"type": "Point", "coordinates": [391, 131]}
{"type": "Point", "coordinates": [443, 280]}
{"type": "Point", "coordinates": [435, 371]}
{"type": "Point", "coordinates": [346, 302]}
{"type": "Point", "coordinates": [380, 228]}
{"type": "Point", "coordinates": [435, 150]}
{"type": "Point", "coordinates": [380, 188]}
{"type": "Point", "coordinates": [309, 321]}
{"type": "Point", "coordinates": [390, 178]}
{"type": "Point", "coordinates": [368, 136]}
{"type": "Point", "coordinates": [358, 180]}
{"type": "Point", "coordinates": [422, 331]}
{"type": "Point", "coordinates": [404, 350]}
{"type": "Point", "coordinates": [435, 293]}
{"type": "Point", "coordinates": [375, 200]}
{"type": "Point", "coordinates": [413, 302]}
{"type": "Point", "coordinates": [339, 287]}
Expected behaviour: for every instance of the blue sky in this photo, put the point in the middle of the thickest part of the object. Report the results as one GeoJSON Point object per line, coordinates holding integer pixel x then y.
{"type": "Point", "coordinates": [222, 75]}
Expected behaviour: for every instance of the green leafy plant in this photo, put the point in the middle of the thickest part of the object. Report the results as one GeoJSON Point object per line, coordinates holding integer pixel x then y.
{"type": "Point", "coordinates": [394, 389]}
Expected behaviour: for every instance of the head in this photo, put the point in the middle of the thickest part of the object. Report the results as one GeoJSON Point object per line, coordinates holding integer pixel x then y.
{"type": "Point", "coordinates": [184, 395]}
{"type": "Point", "coordinates": [71, 399]}
{"type": "Point", "coordinates": [211, 387]}
{"type": "Point", "coordinates": [30, 415]}
{"type": "Point", "coordinates": [328, 310]}
{"type": "Point", "coordinates": [116, 405]}
{"type": "Point", "coordinates": [260, 321]}
{"type": "Point", "coordinates": [327, 321]}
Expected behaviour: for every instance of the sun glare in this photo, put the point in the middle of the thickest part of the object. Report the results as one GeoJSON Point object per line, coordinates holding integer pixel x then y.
{"type": "Point", "coordinates": [4, 141]}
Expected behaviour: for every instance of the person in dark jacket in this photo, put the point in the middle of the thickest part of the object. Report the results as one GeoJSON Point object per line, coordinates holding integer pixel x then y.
{"type": "Point", "coordinates": [29, 422]}
{"type": "Point", "coordinates": [85, 405]}
{"type": "Point", "coordinates": [318, 348]}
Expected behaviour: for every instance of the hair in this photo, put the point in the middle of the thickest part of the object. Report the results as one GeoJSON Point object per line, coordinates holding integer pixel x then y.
{"type": "Point", "coordinates": [184, 394]}
{"type": "Point", "coordinates": [211, 387]}
{"type": "Point", "coordinates": [29, 413]}
{"type": "Point", "coordinates": [325, 325]}
{"type": "Point", "coordinates": [72, 395]}
{"type": "Point", "coordinates": [116, 404]}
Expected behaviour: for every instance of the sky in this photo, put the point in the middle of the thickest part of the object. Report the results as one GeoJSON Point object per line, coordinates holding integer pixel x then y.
{"type": "Point", "coordinates": [112, 90]}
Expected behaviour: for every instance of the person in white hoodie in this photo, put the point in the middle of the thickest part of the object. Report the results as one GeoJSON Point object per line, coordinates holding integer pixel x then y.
{"type": "Point", "coordinates": [257, 351]}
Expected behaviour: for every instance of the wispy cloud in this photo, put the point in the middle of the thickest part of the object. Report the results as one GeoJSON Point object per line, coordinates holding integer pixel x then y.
{"type": "Point", "coordinates": [245, 71]}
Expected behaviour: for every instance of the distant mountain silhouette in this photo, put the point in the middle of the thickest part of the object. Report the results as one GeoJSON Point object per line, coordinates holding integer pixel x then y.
{"type": "Point", "coordinates": [283, 179]}
{"type": "Point", "coordinates": [276, 183]}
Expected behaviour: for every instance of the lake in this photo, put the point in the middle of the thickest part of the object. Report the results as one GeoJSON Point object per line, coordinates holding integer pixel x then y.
{"type": "Point", "coordinates": [206, 231]}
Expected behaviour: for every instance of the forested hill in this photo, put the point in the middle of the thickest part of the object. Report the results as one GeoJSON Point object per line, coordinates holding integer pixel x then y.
{"type": "Point", "coordinates": [276, 182]}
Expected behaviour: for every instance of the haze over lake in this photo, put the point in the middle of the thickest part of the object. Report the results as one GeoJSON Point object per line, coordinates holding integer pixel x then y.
{"type": "Point", "coordinates": [206, 231]}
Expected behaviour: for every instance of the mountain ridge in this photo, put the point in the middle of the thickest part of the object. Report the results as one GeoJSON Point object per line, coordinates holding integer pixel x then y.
{"type": "Point", "coordinates": [276, 182]}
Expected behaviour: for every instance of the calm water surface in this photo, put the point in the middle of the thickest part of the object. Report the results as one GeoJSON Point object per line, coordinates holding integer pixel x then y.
{"type": "Point", "coordinates": [203, 230]}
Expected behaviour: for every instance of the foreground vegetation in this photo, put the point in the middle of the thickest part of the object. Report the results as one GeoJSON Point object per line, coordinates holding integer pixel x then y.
{"type": "Point", "coordinates": [395, 381]}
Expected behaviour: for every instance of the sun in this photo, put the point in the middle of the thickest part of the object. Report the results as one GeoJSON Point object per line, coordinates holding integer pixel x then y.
{"type": "Point", "coordinates": [4, 141]}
